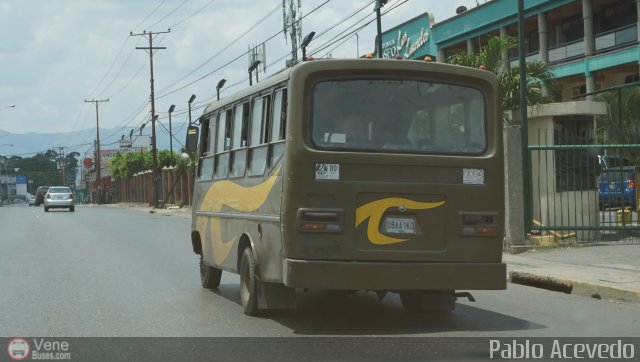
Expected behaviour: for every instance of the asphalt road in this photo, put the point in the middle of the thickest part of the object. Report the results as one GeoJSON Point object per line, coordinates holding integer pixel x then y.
{"type": "Point", "coordinates": [119, 272]}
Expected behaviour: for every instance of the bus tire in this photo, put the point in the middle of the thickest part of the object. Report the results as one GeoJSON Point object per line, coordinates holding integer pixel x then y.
{"type": "Point", "coordinates": [209, 276]}
{"type": "Point", "coordinates": [248, 283]}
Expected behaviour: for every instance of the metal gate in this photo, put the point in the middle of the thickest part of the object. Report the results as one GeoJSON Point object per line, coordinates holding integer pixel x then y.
{"type": "Point", "coordinates": [584, 174]}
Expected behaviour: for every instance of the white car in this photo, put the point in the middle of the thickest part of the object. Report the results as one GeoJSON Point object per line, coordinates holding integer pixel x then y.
{"type": "Point", "coordinates": [32, 200]}
{"type": "Point", "coordinates": [59, 197]}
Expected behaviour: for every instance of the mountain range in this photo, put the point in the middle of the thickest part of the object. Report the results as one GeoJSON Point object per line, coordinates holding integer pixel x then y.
{"type": "Point", "coordinates": [28, 144]}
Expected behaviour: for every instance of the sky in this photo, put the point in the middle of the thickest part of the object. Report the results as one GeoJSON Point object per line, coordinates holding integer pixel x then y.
{"type": "Point", "coordinates": [57, 54]}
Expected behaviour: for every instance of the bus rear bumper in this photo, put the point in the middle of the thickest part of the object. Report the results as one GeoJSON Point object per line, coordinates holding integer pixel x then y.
{"type": "Point", "coordinates": [363, 275]}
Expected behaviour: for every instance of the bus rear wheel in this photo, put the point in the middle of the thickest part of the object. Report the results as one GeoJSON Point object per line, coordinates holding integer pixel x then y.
{"type": "Point", "coordinates": [248, 283]}
{"type": "Point", "coordinates": [209, 276]}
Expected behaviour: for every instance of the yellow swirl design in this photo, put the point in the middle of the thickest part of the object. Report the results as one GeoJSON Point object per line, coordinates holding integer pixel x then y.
{"type": "Point", "coordinates": [375, 209]}
{"type": "Point", "coordinates": [227, 193]}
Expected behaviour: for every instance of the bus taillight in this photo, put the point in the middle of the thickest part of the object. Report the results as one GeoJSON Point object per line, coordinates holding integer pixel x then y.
{"type": "Point", "coordinates": [320, 220]}
{"type": "Point", "coordinates": [480, 224]}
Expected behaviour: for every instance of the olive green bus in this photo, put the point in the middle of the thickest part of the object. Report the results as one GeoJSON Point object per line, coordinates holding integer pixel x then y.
{"type": "Point", "coordinates": [353, 175]}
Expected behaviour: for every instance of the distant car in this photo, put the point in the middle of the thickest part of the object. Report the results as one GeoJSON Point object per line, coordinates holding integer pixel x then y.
{"type": "Point", "coordinates": [32, 200]}
{"type": "Point", "coordinates": [59, 197]}
{"type": "Point", "coordinates": [42, 190]}
{"type": "Point", "coordinates": [617, 187]}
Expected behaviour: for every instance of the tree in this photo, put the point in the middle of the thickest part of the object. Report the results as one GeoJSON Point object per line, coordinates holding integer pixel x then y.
{"type": "Point", "coordinates": [72, 164]}
{"type": "Point", "coordinates": [538, 73]}
{"type": "Point", "coordinates": [620, 125]}
{"type": "Point", "coordinates": [125, 165]}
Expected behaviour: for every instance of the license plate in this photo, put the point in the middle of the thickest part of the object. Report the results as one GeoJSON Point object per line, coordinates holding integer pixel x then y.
{"type": "Point", "coordinates": [612, 186]}
{"type": "Point", "coordinates": [399, 225]}
{"type": "Point", "coordinates": [60, 197]}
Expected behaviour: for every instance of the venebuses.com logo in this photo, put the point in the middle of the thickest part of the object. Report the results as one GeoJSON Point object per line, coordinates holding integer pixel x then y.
{"type": "Point", "coordinates": [18, 349]}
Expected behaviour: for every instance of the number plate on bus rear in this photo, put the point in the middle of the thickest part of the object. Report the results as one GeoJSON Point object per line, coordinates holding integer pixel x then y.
{"type": "Point", "coordinates": [399, 225]}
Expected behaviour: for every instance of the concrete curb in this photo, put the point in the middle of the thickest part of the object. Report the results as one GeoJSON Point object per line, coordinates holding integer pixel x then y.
{"type": "Point", "coordinates": [574, 286]}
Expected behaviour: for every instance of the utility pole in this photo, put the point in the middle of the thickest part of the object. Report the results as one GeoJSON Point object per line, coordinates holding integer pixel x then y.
{"type": "Point", "coordinates": [379, 5]}
{"type": "Point", "coordinates": [97, 158]}
{"type": "Point", "coordinates": [63, 165]}
{"type": "Point", "coordinates": [154, 152]}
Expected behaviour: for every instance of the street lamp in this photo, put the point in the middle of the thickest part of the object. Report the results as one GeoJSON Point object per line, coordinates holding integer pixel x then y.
{"type": "Point", "coordinates": [307, 39]}
{"type": "Point", "coordinates": [220, 85]}
{"type": "Point", "coordinates": [9, 106]}
{"type": "Point", "coordinates": [191, 99]}
{"type": "Point", "coordinates": [6, 144]}
{"type": "Point", "coordinates": [173, 106]}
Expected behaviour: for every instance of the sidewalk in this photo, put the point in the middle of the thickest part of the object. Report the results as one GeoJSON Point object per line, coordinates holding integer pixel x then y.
{"type": "Point", "coordinates": [604, 271]}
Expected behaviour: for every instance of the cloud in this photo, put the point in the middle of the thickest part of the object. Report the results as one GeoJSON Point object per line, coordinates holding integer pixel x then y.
{"type": "Point", "coordinates": [60, 51]}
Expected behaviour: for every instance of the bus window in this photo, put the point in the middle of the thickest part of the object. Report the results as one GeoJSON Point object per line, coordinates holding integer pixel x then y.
{"type": "Point", "coordinates": [256, 121]}
{"type": "Point", "coordinates": [407, 116]}
{"type": "Point", "coordinates": [278, 126]}
{"type": "Point", "coordinates": [239, 144]}
{"type": "Point", "coordinates": [205, 162]}
{"type": "Point", "coordinates": [221, 168]}
{"type": "Point", "coordinates": [240, 126]}
{"type": "Point", "coordinates": [257, 142]}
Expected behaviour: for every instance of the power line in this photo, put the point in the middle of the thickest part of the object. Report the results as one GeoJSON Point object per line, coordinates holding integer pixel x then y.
{"type": "Point", "coordinates": [169, 14]}
{"type": "Point", "coordinates": [234, 59]}
{"type": "Point", "coordinates": [192, 15]}
{"type": "Point", "coordinates": [148, 16]}
{"type": "Point", "coordinates": [233, 42]}
{"type": "Point", "coordinates": [110, 67]}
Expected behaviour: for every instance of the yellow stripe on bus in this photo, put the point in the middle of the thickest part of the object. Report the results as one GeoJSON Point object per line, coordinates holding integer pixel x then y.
{"type": "Point", "coordinates": [237, 197]}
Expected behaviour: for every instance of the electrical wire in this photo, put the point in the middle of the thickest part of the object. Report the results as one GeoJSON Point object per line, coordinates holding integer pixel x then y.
{"type": "Point", "coordinates": [234, 59]}
{"type": "Point", "coordinates": [169, 14]}
{"type": "Point", "coordinates": [192, 15]}
{"type": "Point", "coordinates": [233, 42]}
{"type": "Point", "coordinates": [148, 16]}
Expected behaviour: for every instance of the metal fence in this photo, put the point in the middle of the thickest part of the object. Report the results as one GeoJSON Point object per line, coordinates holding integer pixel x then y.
{"type": "Point", "coordinates": [584, 175]}
{"type": "Point", "coordinates": [173, 188]}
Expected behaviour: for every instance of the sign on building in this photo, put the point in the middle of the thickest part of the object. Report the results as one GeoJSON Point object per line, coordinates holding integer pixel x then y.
{"type": "Point", "coordinates": [410, 40]}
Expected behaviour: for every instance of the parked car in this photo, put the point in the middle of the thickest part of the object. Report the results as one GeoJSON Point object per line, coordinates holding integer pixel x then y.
{"type": "Point", "coordinates": [617, 187]}
{"type": "Point", "coordinates": [42, 190]}
{"type": "Point", "coordinates": [59, 197]}
{"type": "Point", "coordinates": [32, 200]}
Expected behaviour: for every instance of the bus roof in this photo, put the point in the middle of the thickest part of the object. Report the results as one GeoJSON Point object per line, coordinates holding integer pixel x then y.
{"type": "Point", "coordinates": [351, 64]}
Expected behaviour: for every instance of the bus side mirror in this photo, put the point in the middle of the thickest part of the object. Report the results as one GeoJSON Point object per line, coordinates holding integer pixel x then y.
{"type": "Point", "coordinates": [192, 138]}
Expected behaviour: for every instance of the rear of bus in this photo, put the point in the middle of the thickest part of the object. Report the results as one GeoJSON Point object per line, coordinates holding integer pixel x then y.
{"type": "Point", "coordinates": [395, 179]}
